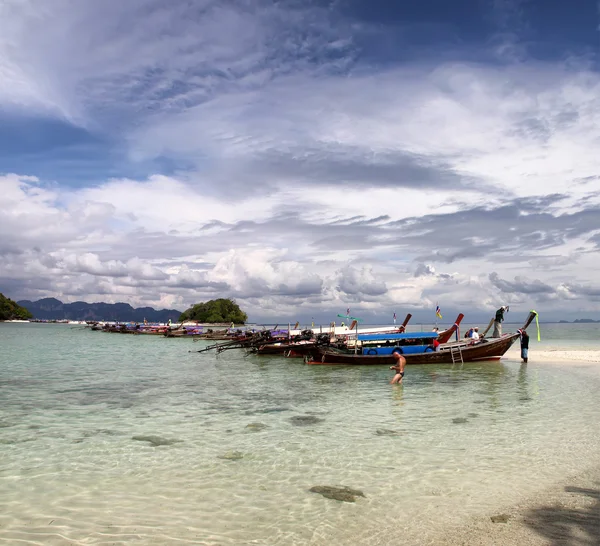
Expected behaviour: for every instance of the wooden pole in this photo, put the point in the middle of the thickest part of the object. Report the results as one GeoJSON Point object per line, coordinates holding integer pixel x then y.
{"type": "Point", "coordinates": [488, 328]}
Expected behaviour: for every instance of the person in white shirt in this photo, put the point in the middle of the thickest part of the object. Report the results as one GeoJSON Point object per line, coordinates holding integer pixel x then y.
{"type": "Point", "coordinates": [475, 334]}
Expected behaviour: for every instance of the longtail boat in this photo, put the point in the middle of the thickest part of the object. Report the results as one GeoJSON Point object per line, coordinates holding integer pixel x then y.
{"type": "Point", "coordinates": [483, 349]}
{"type": "Point", "coordinates": [291, 349]}
{"type": "Point", "coordinates": [302, 345]}
{"type": "Point", "coordinates": [444, 337]}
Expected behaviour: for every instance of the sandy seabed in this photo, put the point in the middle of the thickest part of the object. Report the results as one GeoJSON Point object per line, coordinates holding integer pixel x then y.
{"type": "Point", "coordinates": [568, 513]}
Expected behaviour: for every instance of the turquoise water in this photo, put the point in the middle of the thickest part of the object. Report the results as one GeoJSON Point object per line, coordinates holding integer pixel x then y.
{"type": "Point", "coordinates": [114, 439]}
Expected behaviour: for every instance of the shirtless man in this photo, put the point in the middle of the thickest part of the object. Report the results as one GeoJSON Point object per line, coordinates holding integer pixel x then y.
{"type": "Point", "coordinates": [398, 367]}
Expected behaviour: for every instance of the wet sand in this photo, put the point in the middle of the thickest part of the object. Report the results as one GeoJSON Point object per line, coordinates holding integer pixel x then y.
{"type": "Point", "coordinates": [558, 355]}
{"type": "Point", "coordinates": [567, 514]}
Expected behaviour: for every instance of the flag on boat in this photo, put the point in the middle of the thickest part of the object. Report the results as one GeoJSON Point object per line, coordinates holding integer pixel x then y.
{"type": "Point", "coordinates": [438, 311]}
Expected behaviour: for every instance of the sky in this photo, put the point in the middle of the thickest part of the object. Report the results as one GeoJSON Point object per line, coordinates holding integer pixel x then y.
{"type": "Point", "coordinates": [303, 157]}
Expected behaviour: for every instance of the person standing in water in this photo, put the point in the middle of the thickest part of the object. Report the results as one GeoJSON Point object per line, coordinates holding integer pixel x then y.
{"type": "Point", "coordinates": [398, 367]}
{"type": "Point", "coordinates": [524, 345]}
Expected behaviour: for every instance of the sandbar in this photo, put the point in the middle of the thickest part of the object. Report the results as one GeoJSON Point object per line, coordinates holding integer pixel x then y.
{"type": "Point", "coordinates": [558, 355]}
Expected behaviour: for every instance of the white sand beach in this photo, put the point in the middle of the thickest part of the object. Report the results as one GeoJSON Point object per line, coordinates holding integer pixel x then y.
{"type": "Point", "coordinates": [562, 356]}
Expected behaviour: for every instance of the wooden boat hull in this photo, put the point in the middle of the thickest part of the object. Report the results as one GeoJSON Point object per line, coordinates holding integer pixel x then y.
{"type": "Point", "coordinates": [214, 337]}
{"type": "Point", "coordinates": [444, 337]}
{"type": "Point", "coordinates": [287, 349]}
{"type": "Point", "coordinates": [484, 350]}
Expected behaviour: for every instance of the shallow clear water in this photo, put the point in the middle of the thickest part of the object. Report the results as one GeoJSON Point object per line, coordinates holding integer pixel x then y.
{"type": "Point", "coordinates": [115, 439]}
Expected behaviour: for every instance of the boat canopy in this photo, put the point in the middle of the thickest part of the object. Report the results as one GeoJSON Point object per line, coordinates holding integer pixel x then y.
{"type": "Point", "coordinates": [406, 335]}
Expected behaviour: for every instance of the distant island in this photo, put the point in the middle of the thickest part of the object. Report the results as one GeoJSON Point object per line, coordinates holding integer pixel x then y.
{"type": "Point", "coordinates": [53, 309]}
{"type": "Point", "coordinates": [215, 311]}
{"type": "Point", "coordinates": [11, 310]}
{"type": "Point", "coordinates": [580, 321]}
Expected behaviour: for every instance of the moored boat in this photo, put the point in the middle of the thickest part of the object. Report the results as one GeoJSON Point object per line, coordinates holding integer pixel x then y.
{"type": "Point", "coordinates": [484, 349]}
{"type": "Point", "coordinates": [444, 337]}
{"type": "Point", "coordinates": [302, 343]}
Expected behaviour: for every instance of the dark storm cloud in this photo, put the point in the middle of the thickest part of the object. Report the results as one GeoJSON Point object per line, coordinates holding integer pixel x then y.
{"type": "Point", "coordinates": [523, 225]}
{"type": "Point", "coordinates": [355, 281]}
{"type": "Point", "coordinates": [584, 290]}
{"type": "Point", "coordinates": [520, 286]}
{"type": "Point", "coordinates": [349, 165]}
{"type": "Point", "coordinates": [423, 270]}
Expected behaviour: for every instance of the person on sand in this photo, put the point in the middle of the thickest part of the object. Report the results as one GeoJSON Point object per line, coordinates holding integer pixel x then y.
{"type": "Point", "coordinates": [524, 345]}
{"type": "Point", "coordinates": [398, 367]}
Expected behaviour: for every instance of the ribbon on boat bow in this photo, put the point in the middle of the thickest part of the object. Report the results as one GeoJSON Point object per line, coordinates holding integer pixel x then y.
{"type": "Point", "coordinates": [537, 323]}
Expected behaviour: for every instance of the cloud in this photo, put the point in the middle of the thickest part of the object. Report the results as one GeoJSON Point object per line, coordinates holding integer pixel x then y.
{"type": "Point", "coordinates": [520, 285]}
{"type": "Point", "coordinates": [264, 271]}
{"type": "Point", "coordinates": [360, 282]}
{"type": "Point", "coordinates": [592, 291]}
{"type": "Point", "coordinates": [266, 152]}
{"type": "Point", "coordinates": [80, 62]}
{"type": "Point", "coordinates": [424, 269]}
{"type": "Point", "coordinates": [90, 263]}
{"type": "Point", "coordinates": [139, 255]}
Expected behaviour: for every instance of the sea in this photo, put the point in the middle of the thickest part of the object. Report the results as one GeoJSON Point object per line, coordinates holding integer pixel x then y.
{"type": "Point", "coordinates": [109, 439]}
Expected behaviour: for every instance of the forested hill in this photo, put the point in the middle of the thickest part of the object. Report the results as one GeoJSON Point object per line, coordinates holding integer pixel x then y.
{"type": "Point", "coordinates": [10, 310]}
{"type": "Point", "coordinates": [53, 309]}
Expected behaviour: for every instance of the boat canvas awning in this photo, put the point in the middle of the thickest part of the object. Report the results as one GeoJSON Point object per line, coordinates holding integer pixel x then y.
{"type": "Point", "coordinates": [406, 335]}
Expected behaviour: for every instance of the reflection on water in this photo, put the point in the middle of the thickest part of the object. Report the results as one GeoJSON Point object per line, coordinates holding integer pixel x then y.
{"type": "Point", "coordinates": [138, 440]}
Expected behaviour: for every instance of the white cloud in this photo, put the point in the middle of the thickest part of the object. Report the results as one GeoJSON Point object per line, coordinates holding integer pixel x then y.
{"type": "Point", "coordinates": [253, 272]}
{"type": "Point", "coordinates": [309, 182]}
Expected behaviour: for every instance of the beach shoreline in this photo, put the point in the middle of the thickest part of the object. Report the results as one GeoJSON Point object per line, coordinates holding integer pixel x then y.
{"type": "Point", "coordinates": [557, 355]}
{"type": "Point", "coordinates": [567, 513]}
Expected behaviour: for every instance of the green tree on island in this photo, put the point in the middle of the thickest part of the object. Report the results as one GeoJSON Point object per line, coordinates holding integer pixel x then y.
{"type": "Point", "coordinates": [221, 310]}
{"type": "Point", "coordinates": [9, 310]}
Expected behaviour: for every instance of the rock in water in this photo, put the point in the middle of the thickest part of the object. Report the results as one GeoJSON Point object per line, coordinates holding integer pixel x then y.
{"type": "Point", "coordinates": [460, 420]}
{"type": "Point", "coordinates": [344, 494]}
{"type": "Point", "coordinates": [155, 440]}
{"type": "Point", "coordinates": [303, 420]}
{"type": "Point", "coordinates": [502, 518]}
{"type": "Point", "coordinates": [231, 456]}
{"type": "Point", "coordinates": [255, 427]}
